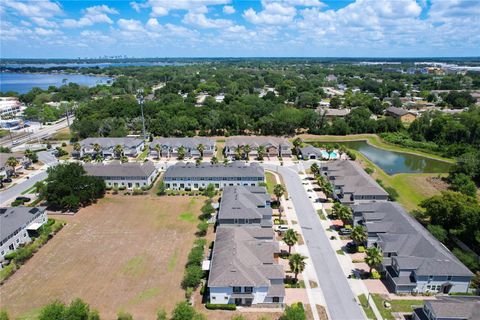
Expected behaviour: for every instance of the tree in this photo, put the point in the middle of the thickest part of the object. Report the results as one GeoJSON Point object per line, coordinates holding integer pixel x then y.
{"type": "Point", "coordinates": [342, 212]}
{"type": "Point", "coordinates": [279, 191]}
{"type": "Point", "coordinates": [359, 235]}
{"type": "Point", "coordinates": [99, 158]}
{"type": "Point", "coordinates": [97, 148]}
{"type": "Point", "coordinates": [118, 151]}
{"type": "Point", "coordinates": [297, 142]}
{"type": "Point", "coordinates": [246, 150]}
{"type": "Point", "coordinates": [297, 264]}
{"type": "Point", "coordinates": [475, 283]}
{"type": "Point", "coordinates": [200, 149]}
{"type": "Point", "coordinates": [67, 187]}
{"type": "Point", "coordinates": [162, 315]}
{"type": "Point", "coordinates": [158, 150]}
{"type": "Point", "coordinates": [77, 147]}
{"type": "Point", "coordinates": [438, 232]}
{"type": "Point", "coordinates": [214, 160]}
{"type": "Point", "coordinates": [373, 257]}
{"type": "Point", "coordinates": [87, 158]}
{"type": "Point", "coordinates": [181, 153]}
{"type": "Point", "coordinates": [31, 155]}
{"type": "Point", "coordinates": [184, 311]}
{"type": "Point", "coordinates": [290, 238]}
{"type": "Point", "coordinates": [462, 183]}
{"type": "Point", "coordinates": [314, 169]}
{"type": "Point", "coordinates": [260, 152]}
{"type": "Point", "coordinates": [52, 311]}
{"type": "Point", "coordinates": [12, 162]}
{"type": "Point", "coordinates": [209, 191]}
{"type": "Point", "coordinates": [161, 189]}
{"type": "Point", "coordinates": [294, 312]}
{"type": "Point", "coordinates": [123, 159]}
{"type": "Point", "coordinates": [78, 310]}
{"type": "Point", "coordinates": [238, 153]}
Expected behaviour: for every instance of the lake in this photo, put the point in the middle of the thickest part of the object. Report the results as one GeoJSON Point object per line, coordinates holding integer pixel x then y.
{"type": "Point", "coordinates": [24, 82]}
{"type": "Point", "coordinates": [397, 162]}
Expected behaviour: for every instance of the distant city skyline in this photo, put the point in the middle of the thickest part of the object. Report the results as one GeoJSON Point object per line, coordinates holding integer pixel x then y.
{"type": "Point", "coordinates": [226, 28]}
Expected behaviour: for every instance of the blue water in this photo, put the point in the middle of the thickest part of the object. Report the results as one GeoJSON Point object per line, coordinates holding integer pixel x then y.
{"type": "Point", "coordinates": [24, 82]}
{"type": "Point", "coordinates": [92, 65]}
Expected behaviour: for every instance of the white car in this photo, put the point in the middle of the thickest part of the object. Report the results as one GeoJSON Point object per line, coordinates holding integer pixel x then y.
{"type": "Point", "coordinates": [281, 228]}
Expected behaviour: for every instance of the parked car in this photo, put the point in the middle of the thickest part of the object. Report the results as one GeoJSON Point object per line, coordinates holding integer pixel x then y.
{"type": "Point", "coordinates": [345, 232]}
{"type": "Point", "coordinates": [23, 199]}
{"type": "Point", "coordinates": [7, 180]}
{"type": "Point", "coordinates": [281, 228]}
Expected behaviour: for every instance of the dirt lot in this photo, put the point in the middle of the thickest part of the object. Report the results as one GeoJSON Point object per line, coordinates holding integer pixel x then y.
{"type": "Point", "coordinates": [123, 254]}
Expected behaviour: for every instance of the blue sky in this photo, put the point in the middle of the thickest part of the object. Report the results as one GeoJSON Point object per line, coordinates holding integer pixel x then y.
{"type": "Point", "coordinates": [218, 28]}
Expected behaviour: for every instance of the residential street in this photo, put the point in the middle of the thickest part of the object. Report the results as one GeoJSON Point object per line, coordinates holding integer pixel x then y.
{"type": "Point", "coordinates": [340, 300]}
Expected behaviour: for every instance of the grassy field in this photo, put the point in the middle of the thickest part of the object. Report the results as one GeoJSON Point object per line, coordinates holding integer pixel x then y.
{"type": "Point", "coordinates": [396, 306]}
{"type": "Point", "coordinates": [411, 187]}
{"type": "Point", "coordinates": [374, 140]}
{"type": "Point", "coordinates": [124, 253]}
{"type": "Point", "coordinates": [271, 181]}
{"type": "Point", "coordinates": [220, 144]}
{"type": "Point", "coordinates": [143, 155]}
{"type": "Point", "coordinates": [366, 307]}
{"type": "Point", "coordinates": [62, 134]}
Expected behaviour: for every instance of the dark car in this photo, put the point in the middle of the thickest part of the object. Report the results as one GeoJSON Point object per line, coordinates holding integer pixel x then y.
{"type": "Point", "coordinates": [7, 180]}
{"type": "Point", "coordinates": [23, 199]}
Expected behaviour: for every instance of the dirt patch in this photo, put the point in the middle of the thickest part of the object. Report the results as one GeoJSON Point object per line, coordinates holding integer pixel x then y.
{"type": "Point", "coordinates": [121, 254]}
{"type": "Point", "coordinates": [438, 183]}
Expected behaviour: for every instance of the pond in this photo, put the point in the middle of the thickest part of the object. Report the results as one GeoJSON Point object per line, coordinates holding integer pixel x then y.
{"type": "Point", "coordinates": [24, 82]}
{"type": "Point", "coordinates": [398, 162]}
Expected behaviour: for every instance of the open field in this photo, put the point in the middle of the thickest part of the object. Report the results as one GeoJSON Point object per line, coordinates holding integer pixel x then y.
{"type": "Point", "coordinates": [62, 134]}
{"type": "Point", "coordinates": [124, 253]}
{"type": "Point", "coordinates": [372, 139]}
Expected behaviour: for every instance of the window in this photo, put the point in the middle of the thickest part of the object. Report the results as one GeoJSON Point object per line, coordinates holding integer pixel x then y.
{"type": "Point", "coordinates": [248, 289]}
{"type": "Point", "coordinates": [276, 299]}
{"type": "Point", "coordinates": [237, 289]}
{"type": "Point", "coordinates": [18, 241]}
{"type": "Point", "coordinates": [213, 297]}
{"type": "Point", "coordinates": [449, 278]}
{"type": "Point", "coordinates": [430, 278]}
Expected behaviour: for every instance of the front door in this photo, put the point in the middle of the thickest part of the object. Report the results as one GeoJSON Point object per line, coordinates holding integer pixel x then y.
{"type": "Point", "coordinates": [238, 301]}
{"type": "Point", "coordinates": [446, 288]}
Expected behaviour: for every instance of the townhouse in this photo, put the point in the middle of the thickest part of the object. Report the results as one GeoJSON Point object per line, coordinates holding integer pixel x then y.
{"type": "Point", "coordinates": [131, 147]}
{"type": "Point", "coordinates": [273, 146]}
{"type": "Point", "coordinates": [169, 147]}
{"type": "Point", "coordinates": [18, 225]}
{"type": "Point", "coordinates": [351, 183]}
{"type": "Point", "coordinates": [23, 162]}
{"type": "Point", "coordinates": [128, 175]}
{"type": "Point", "coordinates": [413, 260]}
{"type": "Point", "coordinates": [449, 308]}
{"type": "Point", "coordinates": [190, 176]}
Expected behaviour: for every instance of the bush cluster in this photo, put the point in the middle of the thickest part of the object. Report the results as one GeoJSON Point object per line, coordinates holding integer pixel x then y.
{"type": "Point", "coordinates": [216, 306]}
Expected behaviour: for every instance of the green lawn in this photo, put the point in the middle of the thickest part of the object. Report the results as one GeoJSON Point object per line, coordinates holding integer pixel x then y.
{"type": "Point", "coordinates": [142, 156]}
{"type": "Point", "coordinates": [397, 306]}
{"type": "Point", "coordinates": [220, 145]}
{"type": "Point", "coordinates": [271, 181]}
{"type": "Point", "coordinates": [368, 311]}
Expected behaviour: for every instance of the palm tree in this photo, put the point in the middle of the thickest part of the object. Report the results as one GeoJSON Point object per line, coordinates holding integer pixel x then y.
{"type": "Point", "coordinates": [290, 238]}
{"type": "Point", "coordinates": [12, 162]}
{"type": "Point", "coordinates": [181, 153]}
{"type": "Point", "coordinates": [198, 162]}
{"type": "Point", "coordinates": [123, 159]}
{"type": "Point", "coordinates": [344, 213]}
{"type": "Point", "coordinates": [39, 187]}
{"type": "Point", "coordinates": [158, 149]}
{"type": "Point", "coordinates": [278, 190]}
{"type": "Point", "coordinates": [328, 189]}
{"type": "Point", "coordinates": [200, 149]}
{"type": "Point", "coordinates": [260, 152]}
{"type": "Point", "coordinates": [297, 264]}
{"type": "Point", "coordinates": [359, 235]}
{"type": "Point", "coordinates": [214, 160]}
{"type": "Point", "coordinates": [247, 149]}
{"type": "Point", "coordinates": [238, 153]}
{"type": "Point", "coordinates": [77, 147]}
{"type": "Point", "coordinates": [225, 161]}
{"type": "Point", "coordinates": [118, 151]}
{"type": "Point", "coordinates": [99, 158]}
{"type": "Point", "coordinates": [315, 169]}
{"type": "Point", "coordinates": [87, 158]}
{"type": "Point", "coordinates": [96, 148]}
{"type": "Point", "coordinates": [297, 142]}
{"type": "Point", "coordinates": [373, 258]}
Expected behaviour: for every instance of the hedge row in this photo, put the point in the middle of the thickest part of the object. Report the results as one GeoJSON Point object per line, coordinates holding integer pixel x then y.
{"type": "Point", "coordinates": [216, 306]}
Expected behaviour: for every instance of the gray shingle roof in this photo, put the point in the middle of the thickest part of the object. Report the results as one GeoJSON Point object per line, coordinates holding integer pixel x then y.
{"type": "Point", "coordinates": [255, 141]}
{"type": "Point", "coordinates": [240, 259]}
{"type": "Point", "coordinates": [14, 218]}
{"type": "Point", "coordinates": [189, 143]}
{"type": "Point", "coordinates": [117, 169]}
{"type": "Point", "coordinates": [240, 202]}
{"type": "Point", "coordinates": [305, 151]}
{"type": "Point", "coordinates": [397, 111]}
{"type": "Point", "coordinates": [107, 143]}
{"type": "Point", "coordinates": [416, 248]}
{"type": "Point", "coordinates": [458, 308]}
{"type": "Point", "coordinates": [234, 169]}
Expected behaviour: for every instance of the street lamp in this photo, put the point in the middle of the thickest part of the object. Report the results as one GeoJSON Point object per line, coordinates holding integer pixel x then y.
{"type": "Point", "coordinates": [140, 101]}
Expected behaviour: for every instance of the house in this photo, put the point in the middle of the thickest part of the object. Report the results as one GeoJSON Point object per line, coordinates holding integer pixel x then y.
{"type": "Point", "coordinates": [129, 174]}
{"type": "Point", "coordinates": [244, 269]}
{"type": "Point", "coordinates": [334, 113]}
{"type": "Point", "coordinates": [245, 205]}
{"type": "Point", "coordinates": [274, 146]}
{"type": "Point", "coordinates": [169, 147]}
{"type": "Point", "coordinates": [331, 77]}
{"type": "Point", "coordinates": [413, 260]}
{"type": "Point", "coordinates": [18, 225]}
{"type": "Point", "coordinates": [132, 147]}
{"type": "Point", "coordinates": [400, 113]}
{"type": "Point", "coordinates": [449, 308]}
{"type": "Point", "coordinates": [351, 184]}
{"type": "Point", "coordinates": [23, 162]}
{"type": "Point", "coordinates": [9, 107]}
{"type": "Point", "coordinates": [193, 177]}
{"type": "Point", "coordinates": [311, 153]}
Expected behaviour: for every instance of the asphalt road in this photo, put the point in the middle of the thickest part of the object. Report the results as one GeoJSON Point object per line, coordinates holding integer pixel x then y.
{"type": "Point", "coordinates": [339, 297]}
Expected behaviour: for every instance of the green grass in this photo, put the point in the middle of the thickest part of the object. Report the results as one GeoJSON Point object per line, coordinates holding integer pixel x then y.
{"type": "Point", "coordinates": [29, 190]}
{"type": "Point", "coordinates": [32, 314]}
{"type": "Point", "coordinates": [271, 181]}
{"type": "Point", "coordinates": [321, 215]}
{"type": "Point", "coordinates": [7, 271]}
{"type": "Point", "coordinates": [368, 311]}
{"type": "Point", "coordinates": [135, 266]}
{"type": "Point", "coordinates": [3, 133]}
{"type": "Point", "coordinates": [376, 141]}
{"type": "Point", "coordinates": [145, 295]}
{"type": "Point", "coordinates": [172, 262]}
{"type": "Point", "coordinates": [397, 306]}
{"type": "Point", "coordinates": [142, 156]}
{"type": "Point", "coordinates": [187, 216]}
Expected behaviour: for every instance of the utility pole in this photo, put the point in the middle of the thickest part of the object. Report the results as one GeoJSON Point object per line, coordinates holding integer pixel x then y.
{"type": "Point", "coordinates": [140, 101]}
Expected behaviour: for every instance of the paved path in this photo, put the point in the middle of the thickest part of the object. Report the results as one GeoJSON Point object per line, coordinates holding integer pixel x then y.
{"type": "Point", "coordinates": [340, 300]}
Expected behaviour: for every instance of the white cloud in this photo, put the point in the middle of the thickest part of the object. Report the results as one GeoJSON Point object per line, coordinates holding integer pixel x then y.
{"type": "Point", "coordinates": [163, 7]}
{"type": "Point", "coordinates": [201, 21]}
{"type": "Point", "coordinates": [130, 25]}
{"type": "Point", "coordinates": [228, 9]}
{"type": "Point", "coordinates": [45, 9]}
{"type": "Point", "coordinates": [46, 32]}
{"type": "Point", "coordinates": [92, 15]}
{"type": "Point", "coordinates": [42, 22]}
{"type": "Point", "coordinates": [273, 13]}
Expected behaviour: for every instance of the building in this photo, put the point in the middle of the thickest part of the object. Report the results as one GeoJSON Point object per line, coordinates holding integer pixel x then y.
{"type": "Point", "coordinates": [23, 162]}
{"type": "Point", "coordinates": [192, 177]}
{"type": "Point", "coordinates": [129, 174]}
{"type": "Point", "coordinates": [132, 147]}
{"type": "Point", "coordinates": [351, 184]}
{"type": "Point", "coordinates": [244, 269]}
{"type": "Point", "coordinates": [274, 146]}
{"type": "Point", "coordinates": [312, 153]}
{"type": "Point", "coordinates": [169, 147]}
{"type": "Point", "coordinates": [18, 224]}
{"type": "Point", "coordinates": [9, 107]}
{"type": "Point", "coordinates": [413, 260]}
{"type": "Point", "coordinates": [449, 308]}
{"type": "Point", "coordinates": [242, 205]}
{"type": "Point", "coordinates": [400, 113]}
{"type": "Point", "coordinates": [334, 113]}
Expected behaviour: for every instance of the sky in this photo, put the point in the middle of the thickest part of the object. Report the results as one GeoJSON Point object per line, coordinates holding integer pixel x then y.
{"type": "Point", "coordinates": [237, 28]}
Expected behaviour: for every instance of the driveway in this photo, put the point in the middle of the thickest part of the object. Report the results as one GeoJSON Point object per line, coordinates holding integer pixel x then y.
{"type": "Point", "coordinates": [339, 297]}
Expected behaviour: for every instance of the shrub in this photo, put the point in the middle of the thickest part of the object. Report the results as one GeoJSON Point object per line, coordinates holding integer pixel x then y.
{"type": "Point", "coordinates": [192, 277]}
{"type": "Point", "coordinates": [124, 316]}
{"type": "Point", "coordinates": [361, 249]}
{"type": "Point", "coordinates": [375, 275]}
{"type": "Point", "coordinates": [10, 256]}
{"type": "Point", "coordinates": [122, 188]}
{"type": "Point", "coordinates": [188, 293]}
{"type": "Point", "coordinates": [183, 311]}
{"type": "Point", "coordinates": [162, 315]}
{"type": "Point", "coordinates": [64, 144]}
{"type": "Point", "coordinates": [4, 315]}
{"type": "Point", "coordinates": [17, 203]}
{"type": "Point", "coordinates": [202, 228]}
{"type": "Point", "coordinates": [137, 191]}
{"type": "Point", "coordinates": [369, 170]}
{"type": "Point", "coordinates": [195, 256]}
{"type": "Point", "coordinates": [217, 306]}
{"type": "Point", "coordinates": [23, 254]}
{"type": "Point", "coordinates": [294, 312]}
